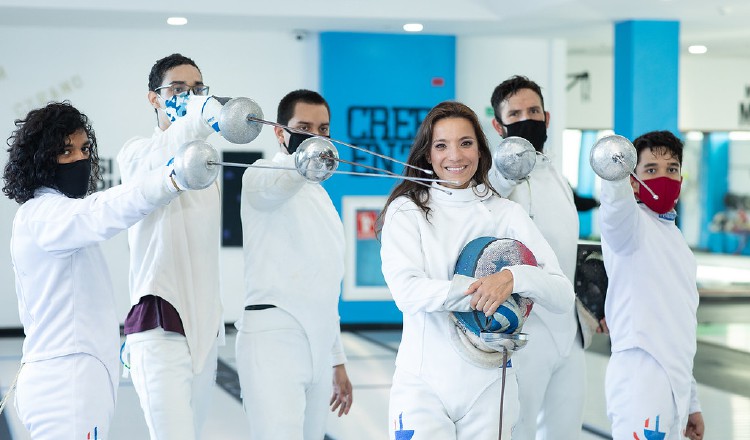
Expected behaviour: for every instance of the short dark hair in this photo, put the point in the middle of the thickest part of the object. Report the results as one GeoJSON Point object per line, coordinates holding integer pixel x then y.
{"type": "Point", "coordinates": [285, 111]}
{"type": "Point", "coordinates": [160, 68]}
{"type": "Point", "coordinates": [510, 87]}
{"type": "Point", "coordinates": [35, 145]}
{"type": "Point", "coordinates": [659, 142]}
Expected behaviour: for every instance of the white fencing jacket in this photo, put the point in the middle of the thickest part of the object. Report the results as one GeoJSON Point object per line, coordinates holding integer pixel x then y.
{"type": "Point", "coordinates": [652, 297]}
{"type": "Point", "coordinates": [174, 252]}
{"type": "Point", "coordinates": [548, 199]}
{"type": "Point", "coordinates": [419, 258]}
{"type": "Point", "coordinates": [65, 297]}
{"type": "Point", "coordinates": [293, 241]}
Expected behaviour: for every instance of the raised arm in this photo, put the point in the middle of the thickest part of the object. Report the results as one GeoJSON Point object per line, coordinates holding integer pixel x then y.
{"type": "Point", "coordinates": [138, 157]}
{"type": "Point", "coordinates": [618, 214]}
{"type": "Point", "coordinates": [64, 225]}
{"type": "Point", "coordinates": [265, 189]}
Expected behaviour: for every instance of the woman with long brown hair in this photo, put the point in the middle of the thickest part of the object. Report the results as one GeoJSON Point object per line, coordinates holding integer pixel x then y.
{"type": "Point", "coordinates": [437, 392]}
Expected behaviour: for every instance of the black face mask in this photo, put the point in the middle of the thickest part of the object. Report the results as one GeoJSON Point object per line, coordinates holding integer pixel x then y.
{"type": "Point", "coordinates": [72, 179]}
{"type": "Point", "coordinates": [531, 130]}
{"type": "Point", "coordinates": [295, 139]}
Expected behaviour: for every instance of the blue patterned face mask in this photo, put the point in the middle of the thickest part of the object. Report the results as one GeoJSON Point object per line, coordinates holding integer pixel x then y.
{"type": "Point", "coordinates": [176, 106]}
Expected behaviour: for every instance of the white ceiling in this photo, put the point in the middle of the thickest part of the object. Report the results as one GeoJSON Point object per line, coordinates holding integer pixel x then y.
{"type": "Point", "coordinates": [722, 25]}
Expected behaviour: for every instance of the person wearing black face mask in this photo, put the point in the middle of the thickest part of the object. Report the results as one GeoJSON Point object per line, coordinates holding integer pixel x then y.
{"type": "Point", "coordinates": [66, 299]}
{"type": "Point", "coordinates": [72, 178]}
{"type": "Point", "coordinates": [295, 139]}
{"type": "Point", "coordinates": [551, 368]}
{"type": "Point", "coordinates": [534, 131]}
{"type": "Point", "coordinates": [292, 278]}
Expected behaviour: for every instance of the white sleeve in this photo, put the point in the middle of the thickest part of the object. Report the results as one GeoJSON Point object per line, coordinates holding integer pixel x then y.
{"type": "Point", "coordinates": [190, 127]}
{"type": "Point", "coordinates": [266, 189]}
{"type": "Point", "coordinates": [618, 214]}
{"type": "Point", "coordinates": [544, 283]}
{"type": "Point", "coordinates": [695, 405]}
{"type": "Point", "coordinates": [64, 225]}
{"type": "Point", "coordinates": [403, 264]}
{"type": "Point", "coordinates": [337, 352]}
{"type": "Point", "coordinates": [138, 156]}
{"type": "Point", "coordinates": [502, 185]}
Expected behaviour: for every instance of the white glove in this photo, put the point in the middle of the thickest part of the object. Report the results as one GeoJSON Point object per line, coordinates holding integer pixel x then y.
{"type": "Point", "coordinates": [210, 112]}
{"type": "Point", "coordinates": [159, 186]}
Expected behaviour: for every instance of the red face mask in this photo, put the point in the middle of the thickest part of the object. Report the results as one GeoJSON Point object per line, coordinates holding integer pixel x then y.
{"type": "Point", "coordinates": [668, 191]}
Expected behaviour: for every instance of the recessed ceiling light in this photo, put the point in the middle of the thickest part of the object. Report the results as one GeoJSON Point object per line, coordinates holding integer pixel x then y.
{"type": "Point", "coordinates": [413, 27]}
{"type": "Point", "coordinates": [177, 21]}
{"type": "Point", "coordinates": [697, 49]}
{"type": "Point", "coordinates": [739, 135]}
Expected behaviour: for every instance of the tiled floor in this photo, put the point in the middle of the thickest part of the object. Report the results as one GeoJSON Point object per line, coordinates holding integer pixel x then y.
{"type": "Point", "coordinates": [722, 368]}
{"type": "Point", "coordinates": [371, 356]}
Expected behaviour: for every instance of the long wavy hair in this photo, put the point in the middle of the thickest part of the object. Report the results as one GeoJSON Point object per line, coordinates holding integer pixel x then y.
{"type": "Point", "coordinates": [420, 153]}
{"type": "Point", "coordinates": [35, 145]}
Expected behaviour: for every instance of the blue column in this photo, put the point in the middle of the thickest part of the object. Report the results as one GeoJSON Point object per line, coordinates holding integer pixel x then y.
{"type": "Point", "coordinates": [714, 185]}
{"type": "Point", "coordinates": [646, 76]}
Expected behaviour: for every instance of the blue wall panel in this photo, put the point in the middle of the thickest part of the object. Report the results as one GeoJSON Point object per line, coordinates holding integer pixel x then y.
{"type": "Point", "coordinates": [379, 87]}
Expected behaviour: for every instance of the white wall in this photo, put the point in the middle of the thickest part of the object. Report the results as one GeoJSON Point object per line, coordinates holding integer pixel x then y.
{"type": "Point", "coordinates": [484, 62]}
{"type": "Point", "coordinates": [594, 110]}
{"type": "Point", "coordinates": [711, 91]}
{"type": "Point", "coordinates": [104, 73]}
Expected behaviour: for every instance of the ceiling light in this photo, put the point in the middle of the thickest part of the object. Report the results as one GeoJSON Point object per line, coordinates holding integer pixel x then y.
{"type": "Point", "coordinates": [177, 21]}
{"type": "Point", "coordinates": [739, 135]}
{"type": "Point", "coordinates": [697, 49]}
{"type": "Point", "coordinates": [413, 27]}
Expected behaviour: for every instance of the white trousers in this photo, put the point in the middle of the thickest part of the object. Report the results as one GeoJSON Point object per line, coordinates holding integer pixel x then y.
{"type": "Point", "coordinates": [283, 397]}
{"type": "Point", "coordinates": [174, 399]}
{"type": "Point", "coordinates": [551, 389]}
{"type": "Point", "coordinates": [66, 398]}
{"type": "Point", "coordinates": [639, 398]}
{"type": "Point", "coordinates": [419, 412]}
